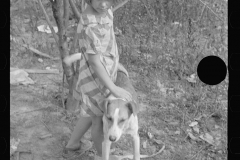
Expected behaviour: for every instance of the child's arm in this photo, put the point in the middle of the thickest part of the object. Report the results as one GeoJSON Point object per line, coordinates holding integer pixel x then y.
{"type": "Point", "coordinates": [97, 66]}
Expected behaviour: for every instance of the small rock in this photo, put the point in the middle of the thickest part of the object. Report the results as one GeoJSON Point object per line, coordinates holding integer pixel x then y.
{"type": "Point", "coordinates": [40, 60]}
{"type": "Point", "coordinates": [177, 132]}
{"type": "Point", "coordinates": [48, 68]}
{"type": "Point", "coordinates": [150, 136]}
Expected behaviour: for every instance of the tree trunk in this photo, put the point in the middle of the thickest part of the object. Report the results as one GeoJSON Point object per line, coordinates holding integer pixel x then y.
{"type": "Point", "coordinates": [62, 22]}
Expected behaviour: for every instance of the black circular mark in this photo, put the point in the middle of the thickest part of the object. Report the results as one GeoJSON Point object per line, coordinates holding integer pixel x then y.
{"type": "Point", "coordinates": [3, 145]}
{"type": "Point", "coordinates": [3, 61]}
{"type": "Point", "coordinates": [3, 103]}
{"type": "Point", "coordinates": [212, 70]}
{"type": "Point", "coordinates": [3, 19]}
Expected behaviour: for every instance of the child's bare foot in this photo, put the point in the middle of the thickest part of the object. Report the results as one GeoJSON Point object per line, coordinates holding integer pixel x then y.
{"type": "Point", "coordinates": [79, 148]}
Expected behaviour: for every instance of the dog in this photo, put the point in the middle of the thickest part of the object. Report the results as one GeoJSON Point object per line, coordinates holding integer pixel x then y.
{"type": "Point", "coordinates": [120, 117]}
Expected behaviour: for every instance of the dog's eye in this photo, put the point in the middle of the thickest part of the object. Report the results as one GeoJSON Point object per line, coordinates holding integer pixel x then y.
{"type": "Point", "coordinates": [110, 118]}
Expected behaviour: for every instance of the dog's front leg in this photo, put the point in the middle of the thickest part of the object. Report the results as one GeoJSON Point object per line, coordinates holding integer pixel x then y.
{"type": "Point", "coordinates": [106, 145]}
{"type": "Point", "coordinates": [136, 146]}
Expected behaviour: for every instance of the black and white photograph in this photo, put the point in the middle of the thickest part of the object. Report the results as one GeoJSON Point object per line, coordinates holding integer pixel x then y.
{"type": "Point", "coordinates": [119, 80]}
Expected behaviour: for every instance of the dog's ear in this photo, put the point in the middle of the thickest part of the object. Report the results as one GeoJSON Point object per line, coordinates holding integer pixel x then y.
{"type": "Point", "coordinates": [105, 104]}
{"type": "Point", "coordinates": [131, 108]}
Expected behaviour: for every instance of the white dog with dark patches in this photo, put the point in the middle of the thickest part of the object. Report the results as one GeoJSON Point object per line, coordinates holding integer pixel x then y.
{"type": "Point", "coordinates": [120, 117]}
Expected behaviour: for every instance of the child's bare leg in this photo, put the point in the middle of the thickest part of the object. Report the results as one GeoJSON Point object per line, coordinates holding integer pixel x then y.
{"type": "Point", "coordinates": [97, 133]}
{"type": "Point", "coordinates": [81, 128]}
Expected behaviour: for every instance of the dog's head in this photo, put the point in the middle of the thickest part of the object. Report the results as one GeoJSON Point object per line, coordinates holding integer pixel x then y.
{"type": "Point", "coordinates": [117, 115]}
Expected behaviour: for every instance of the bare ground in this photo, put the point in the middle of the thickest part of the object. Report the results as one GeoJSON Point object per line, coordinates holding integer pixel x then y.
{"type": "Point", "coordinates": [36, 112]}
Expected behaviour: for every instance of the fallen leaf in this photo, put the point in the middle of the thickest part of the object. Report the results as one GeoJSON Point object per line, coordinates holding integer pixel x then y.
{"type": "Point", "coordinates": [198, 118]}
{"type": "Point", "coordinates": [40, 60]}
{"type": "Point", "coordinates": [13, 145]}
{"type": "Point", "coordinates": [158, 141]}
{"type": "Point", "coordinates": [20, 76]}
{"type": "Point", "coordinates": [46, 29]}
{"type": "Point", "coordinates": [196, 129]}
{"type": "Point", "coordinates": [192, 136]}
{"type": "Point", "coordinates": [145, 144]}
{"type": "Point", "coordinates": [208, 138]}
{"type": "Point", "coordinates": [150, 136]}
{"type": "Point", "coordinates": [192, 78]}
{"type": "Point", "coordinates": [177, 132]}
{"type": "Point", "coordinates": [193, 124]}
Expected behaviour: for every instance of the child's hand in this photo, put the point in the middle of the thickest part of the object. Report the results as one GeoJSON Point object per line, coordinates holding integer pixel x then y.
{"type": "Point", "coordinates": [122, 93]}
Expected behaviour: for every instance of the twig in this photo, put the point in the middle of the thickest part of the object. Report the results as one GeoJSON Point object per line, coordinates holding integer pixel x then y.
{"type": "Point", "coordinates": [39, 71]}
{"type": "Point", "coordinates": [119, 5]}
{"type": "Point", "coordinates": [29, 111]}
{"type": "Point", "coordinates": [48, 21]}
{"type": "Point", "coordinates": [198, 152]}
{"type": "Point", "coordinates": [39, 52]}
{"type": "Point", "coordinates": [201, 14]}
{"type": "Point", "coordinates": [147, 10]}
{"type": "Point", "coordinates": [210, 9]}
{"type": "Point", "coordinates": [46, 126]}
{"type": "Point", "coordinates": [75, 10]}
{"type": "Point", "coordinates": [83, 5]}
{"type": "Point", "coordinates": [62, 97]}
{"type": "Point", "coordinates": [66, 12]}
{"type": "Point", "coordinates": [46, 136]}
{"type": "Point", "coordinates": [130, 156]}
{"type": "Point", "coordinates": [53, 71]}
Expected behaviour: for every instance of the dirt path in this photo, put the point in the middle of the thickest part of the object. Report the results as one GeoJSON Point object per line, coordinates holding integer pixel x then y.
{"type": "Point", "coordinates": [43, 127]}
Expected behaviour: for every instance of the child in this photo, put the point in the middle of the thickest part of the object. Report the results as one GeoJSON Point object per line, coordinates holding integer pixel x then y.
{"type": "Point", "coordinates": [98, 70]}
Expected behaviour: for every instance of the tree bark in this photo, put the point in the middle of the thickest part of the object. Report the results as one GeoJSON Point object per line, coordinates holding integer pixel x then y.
{"type": "Point", "coordinates": [62, 21]}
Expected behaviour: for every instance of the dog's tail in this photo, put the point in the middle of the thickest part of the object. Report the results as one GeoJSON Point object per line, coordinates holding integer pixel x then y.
{"type": "Point", "coordinates": [130, 156]}
{"type": "Point", "coordinates": [72, 58]}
